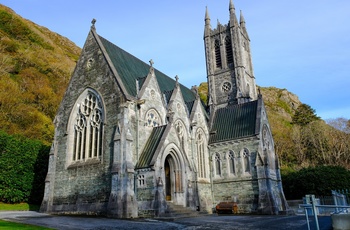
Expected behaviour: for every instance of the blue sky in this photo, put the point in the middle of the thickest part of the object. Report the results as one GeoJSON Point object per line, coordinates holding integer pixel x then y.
{"type": "Point", "coordinates": [303, 46]}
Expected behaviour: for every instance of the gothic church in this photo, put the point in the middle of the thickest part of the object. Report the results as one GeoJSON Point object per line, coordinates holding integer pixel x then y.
{"type": "Point", "coordinates": [131, 141]}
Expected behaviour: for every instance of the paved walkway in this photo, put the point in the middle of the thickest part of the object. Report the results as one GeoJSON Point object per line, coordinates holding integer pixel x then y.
{"type": "Point", "coordinates": [197, 223]}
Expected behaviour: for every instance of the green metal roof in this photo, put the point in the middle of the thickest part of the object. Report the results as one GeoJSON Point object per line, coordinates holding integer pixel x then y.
{"type": "Point", "coordinates": [150, 147]}
{"type": "Point", "coordinates": [234, 122]}
{"type": "Point", "coordinates": [131, 69]}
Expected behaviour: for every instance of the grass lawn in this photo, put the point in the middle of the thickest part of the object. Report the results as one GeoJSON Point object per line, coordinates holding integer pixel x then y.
{"type": "Point", "coordinates": [18, 207]}
{"type": "Point", "coordinates": [12, 225]}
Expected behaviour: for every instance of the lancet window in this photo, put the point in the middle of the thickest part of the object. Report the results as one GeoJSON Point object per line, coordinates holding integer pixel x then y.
{"type": "Point", "coordinates": [231, 163]}
{"type": "Point", "coordinates": [201, 155]}
{"type": "Point", "coordinates": [246, 161]}
{"type": "Point", "coordinates": [217, 161]}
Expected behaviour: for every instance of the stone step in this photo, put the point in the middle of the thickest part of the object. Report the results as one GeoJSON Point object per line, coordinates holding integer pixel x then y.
{"type": "Point", "coordinates": [178, 211]}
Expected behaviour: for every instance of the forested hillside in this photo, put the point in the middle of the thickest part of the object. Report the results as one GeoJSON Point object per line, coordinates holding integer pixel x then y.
{"type": "Point", "coordinates": [35, 67]}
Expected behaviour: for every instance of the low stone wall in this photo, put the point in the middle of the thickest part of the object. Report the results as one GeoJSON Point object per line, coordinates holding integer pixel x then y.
{"type": "Point", "coordinates": [341, 221]}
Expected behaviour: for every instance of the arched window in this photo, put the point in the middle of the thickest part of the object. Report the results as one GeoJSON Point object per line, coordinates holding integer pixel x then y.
{"type": "Point", "coordinates": [88, 127]}
{"type": "Point", "coordinates": [228, 48]}
{"type": "Point", "coordinates": [246, 161]}
{"type": "Point", "coordinates": [231, 163]}
{"type": "Point", "coordinates": [152, 118]}
{"type": "Point", "coordinates": [201, 155]}
{"type": "Point", "coordinates": [217, 54]}
{"type": "Point", "coordinates": [217, 164]}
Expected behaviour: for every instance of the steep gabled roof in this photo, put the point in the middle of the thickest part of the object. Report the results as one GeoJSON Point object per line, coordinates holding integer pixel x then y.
{"type": "Point", "coordinates": [150, 147]}
{"type": "Point", "coordinates": [130, 69]}
{"type": "Point", "coordinates": [234, 122]}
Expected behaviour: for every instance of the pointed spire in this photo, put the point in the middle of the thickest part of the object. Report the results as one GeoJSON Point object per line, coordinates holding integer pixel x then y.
{"type": "Point", "coordinates": [207, 23]}
{"type": "Point", "coordinates": [233, 18]}
{"type": "Point", "coordinates": [207, 17]}
{"type": "Point", "coordinates": [241, 19]}
{"type": "Point", "coordinates": [242, 24]}
{"type": "Point", "coordinates": [232, 7]}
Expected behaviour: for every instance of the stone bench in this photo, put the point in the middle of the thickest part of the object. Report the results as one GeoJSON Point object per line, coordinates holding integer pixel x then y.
{"type": "Point", "coordinates": [227, 207]}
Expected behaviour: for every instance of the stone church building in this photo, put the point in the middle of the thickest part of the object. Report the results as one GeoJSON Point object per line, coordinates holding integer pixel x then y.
{"type": "Point", "coordinates": [131, 141]}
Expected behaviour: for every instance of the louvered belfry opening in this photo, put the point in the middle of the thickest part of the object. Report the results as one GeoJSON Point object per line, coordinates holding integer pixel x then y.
{"type": "Point", "coordinates": [229, 53]}
{"type": "Point", "coordinates": [217, 54]}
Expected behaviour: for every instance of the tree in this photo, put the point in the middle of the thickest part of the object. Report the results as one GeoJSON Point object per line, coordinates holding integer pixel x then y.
{"type": "Point", "coordinates": [304, 115]}
{"type": "Point", "coordinates": [340, 123]}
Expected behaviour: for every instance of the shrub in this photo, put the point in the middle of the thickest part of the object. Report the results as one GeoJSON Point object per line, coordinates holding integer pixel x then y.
{"type": "Point", "coordinates": [318, 180]}
{"type": "Point", "coordinates": [23, 167]}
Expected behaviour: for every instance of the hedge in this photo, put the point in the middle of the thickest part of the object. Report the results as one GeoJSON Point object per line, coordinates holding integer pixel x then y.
{"type": "Point", "coordinates": [23, 167]}
{"type": "Point", "coordinates": [320, 181]}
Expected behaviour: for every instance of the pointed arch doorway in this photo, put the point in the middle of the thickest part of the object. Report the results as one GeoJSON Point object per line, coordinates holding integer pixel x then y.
{"type": "Point", "coordinates": [173, 176]}
{"type": "Point", "coordinates": [167, 179]}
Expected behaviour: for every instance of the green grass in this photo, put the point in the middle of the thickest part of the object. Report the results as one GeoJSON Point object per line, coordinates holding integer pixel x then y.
{"type": "Point", "coordinates": [12, 225]}
{"type": "Point", "coordinates": [18, 207]}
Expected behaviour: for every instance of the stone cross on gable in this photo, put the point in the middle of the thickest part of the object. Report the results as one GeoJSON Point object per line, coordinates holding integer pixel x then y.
{"type": "Point", "coordinates": [93, 23]}
{"type": "Point", "coordinates": [177, 81]}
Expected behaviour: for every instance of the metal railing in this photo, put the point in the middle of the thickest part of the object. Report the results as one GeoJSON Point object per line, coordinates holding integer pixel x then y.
{"type": "Point", "coordinates": [340, 206]}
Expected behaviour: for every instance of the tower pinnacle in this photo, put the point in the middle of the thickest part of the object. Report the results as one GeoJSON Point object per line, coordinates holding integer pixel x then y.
{"type": "Point", "coordinates": [241, 19]}
{"type": "Point", "coordinates": [231, 7]}
{"type": "Point", "coordinates": [207, 17]}
{"type": "Point", "coordinates": [207, 23]}
{"type": "Point", "coordinates": [233, 18]}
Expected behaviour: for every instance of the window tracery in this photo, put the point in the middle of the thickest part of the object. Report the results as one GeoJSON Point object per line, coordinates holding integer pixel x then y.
{"type": "Point", "coordinates": [226, 87]}
{"type": "Point", "coordinates": [88, 128]}
{"type": "Point", "coordinates": [152, 118]}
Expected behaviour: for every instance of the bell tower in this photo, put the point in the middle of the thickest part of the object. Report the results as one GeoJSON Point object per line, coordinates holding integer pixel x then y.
{"type": "Point", "coordinates": [229, 64]}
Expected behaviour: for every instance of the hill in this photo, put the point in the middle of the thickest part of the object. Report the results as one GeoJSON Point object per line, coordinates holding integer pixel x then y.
{"type": "Point", "coordinates": [35, 67]}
